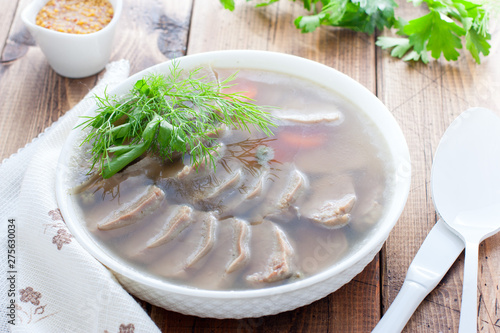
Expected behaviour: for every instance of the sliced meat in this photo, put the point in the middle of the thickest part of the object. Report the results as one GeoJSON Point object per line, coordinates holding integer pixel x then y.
{"type": "Point", "coordinates": [331, 188]}
{"type": "Point", "coordinates": [89, 183]}
{"type": "Point", "coordinates": [246, 201]}
{"type": "Point", "coordinates": [135, 210]}
{"type": "Point", "coordinates": [147, 162]}
{"type": "Point", "coordinates": [151, 164]}
{"type": "Point", "coordinates": [296, 185]}
{"type": "Point", "coordinates": [242, 250]}
{"type": "Point", "coordinates": [326, 117]}
{"type": "Point", "coordinates": [264, 197]}
{"type": "Point", "coordinates": [336, 213]}
{"type": "Point", "coordinates": [189, 170]}
{"type": "Point", "coordinates": [368, 215]}
{"type": "Point", "coordinates": [227, 185]}
{"type": "Point", "coordinates": [179, 222]}
{"type": "Point", "coordinates": [259, 186]}
{"type": "Point", "coordinates": [208, 240]}
{"type": "Point", "coordinates": [186, 171]}
{"type": "Point", "coordinates": [279, 266]}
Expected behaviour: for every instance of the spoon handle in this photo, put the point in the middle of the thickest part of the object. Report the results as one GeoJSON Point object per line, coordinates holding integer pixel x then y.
{"type": "Point", "coordinates": [438, 252]}
{"type": "Point", "coordinates": [468, 311]}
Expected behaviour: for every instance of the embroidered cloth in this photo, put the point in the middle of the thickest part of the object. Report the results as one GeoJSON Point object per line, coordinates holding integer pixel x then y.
{"type": "Point", "coordinates": [58, 286]}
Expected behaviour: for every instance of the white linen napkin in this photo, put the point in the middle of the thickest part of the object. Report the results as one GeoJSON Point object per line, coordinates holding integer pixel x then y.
{"type": "Point", "coordinates": [55, 284]}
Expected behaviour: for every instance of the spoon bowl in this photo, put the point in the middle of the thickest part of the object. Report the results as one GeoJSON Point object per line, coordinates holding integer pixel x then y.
{"type": "Point", "coordinates": [466, 192]}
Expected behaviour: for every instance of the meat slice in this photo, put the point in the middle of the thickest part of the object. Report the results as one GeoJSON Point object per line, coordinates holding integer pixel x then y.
{"type": "Point", "coordinates": [229, 184]}
{"type": "Point", "coordinates": [241, 249]}
{"type": "Point", "coordinates": [189, 170]}
{"type": "Point", "coordinates": [336, 213]}
{"type": "Point", "coordinates": [207, 242]}
{"type": "Point", "coordinates": [368, 214]}
{"type": "Point", "coordinates": [179, 222]}
{"type": "Point", "coordinates": [296, 184]}
{"type": "Point", "coordinates": [259, 186]}
{"type": "Point", "coordinates": [279, 266]}
{"type": "Point", "coordinates": [92, 181]}
{"type": "Point", "coordinates": [95, 181]}
{"type": "Point", "coordinates": [326, 117]}
{"type": "Point", "coordinates": [144, 163]}
{"type": "Point", "coordinates": [330, 202]}
{"type": "Point", "coordinates": [135, 210]}
{"type": "Point", "coordinates": [270, 196]}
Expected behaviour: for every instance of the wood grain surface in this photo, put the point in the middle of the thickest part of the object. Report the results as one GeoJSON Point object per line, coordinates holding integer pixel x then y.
{"type": "Point", "coordinates": [423, 98]}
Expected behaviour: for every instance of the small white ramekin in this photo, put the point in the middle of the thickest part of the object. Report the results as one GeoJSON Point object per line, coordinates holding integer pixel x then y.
{"type": "Point", "coordinates": [73, 55]}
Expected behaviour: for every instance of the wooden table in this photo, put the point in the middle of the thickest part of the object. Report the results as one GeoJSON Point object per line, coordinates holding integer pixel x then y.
{"type": "Point", "coordinates": [423, 98]}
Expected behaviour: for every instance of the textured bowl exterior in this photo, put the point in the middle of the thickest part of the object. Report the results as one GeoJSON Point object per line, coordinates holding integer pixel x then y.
{"type": "Point", "coordinates": [237, 307]}
{"type": "Point", "coordinates": [268, 301]}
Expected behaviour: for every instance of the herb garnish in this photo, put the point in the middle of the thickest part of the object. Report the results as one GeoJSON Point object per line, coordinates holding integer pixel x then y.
{"type": "Point", "coordinates": [440, 32]}
{"type": "Point", "coordinates": [167, 115]}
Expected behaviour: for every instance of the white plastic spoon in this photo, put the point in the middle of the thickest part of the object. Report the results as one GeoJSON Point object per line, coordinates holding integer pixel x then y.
{"type": "Point", "coordinates": [438, 252]}
{"type": "Point", "coordinates": [466, 192]}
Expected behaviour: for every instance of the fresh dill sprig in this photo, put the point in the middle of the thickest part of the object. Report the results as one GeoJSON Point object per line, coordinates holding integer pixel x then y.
{"type": "Point", "coordinates": [165, 115]}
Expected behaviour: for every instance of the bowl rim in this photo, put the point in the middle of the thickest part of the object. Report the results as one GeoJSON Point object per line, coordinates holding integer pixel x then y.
{"type": "Point", "coordinates": [36, 5]}
{"type": "Point", "coordinates": [397, 146]}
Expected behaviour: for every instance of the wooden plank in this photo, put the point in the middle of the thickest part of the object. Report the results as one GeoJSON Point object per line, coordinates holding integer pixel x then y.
{"type": "Point", "coordinates": [33, 96]}
{"type": "Point", "coordinates": [353, 308]}
{"type": "Point", "coordinates": [356, 306]}
{"type": "Point", "coordinates": [31, 104]}
{"type": "Point", "coordinates": [151, 32]}
{"type": "Point", "coordinates": [6, 17]}
{"type": "Point", "coordinates": [19, 38]}
{"type": "Point", "coordinates": [271, 28]}
{"type": "Point", "coordinates": [425, 99]}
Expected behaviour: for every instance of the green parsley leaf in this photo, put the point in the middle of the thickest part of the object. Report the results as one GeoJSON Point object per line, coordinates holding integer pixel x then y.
{"type": "Point", "coordinates": [416, 56]}
{"type": "Point", "coordinates": [309, 23]}
{"type": "Point", "coordinates": [476, 44]}
{"type": "Point", "coordinates": [357, 15]}
{"type": "Point", "coordinates": [263, 4]}
{"type": "Point", "coordinates": [437, 33]}
{"type": "Point", "coordinates": [331, 14]}
{"type": "Point", "coordinates": [440, 31]}
{"type": "Point", "coordinates": [366, 15]}
{"type": "Point", "coordinates": [399, 46]}
{"type": "Point", "coordinates": [228, 4]}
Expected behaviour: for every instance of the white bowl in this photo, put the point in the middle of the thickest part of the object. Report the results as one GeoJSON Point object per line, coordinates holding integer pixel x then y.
{"type": "Point", "coordinates": [73, 55]}
{"type": "Point", "coordinates": [260, 302]}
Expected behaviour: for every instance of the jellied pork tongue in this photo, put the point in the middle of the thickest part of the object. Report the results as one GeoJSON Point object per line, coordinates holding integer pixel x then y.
{"type": "Point", "coordinates": [227, 185]}
{"type": "Point", "coordinates": [208, 240]}
{"type": "Point", "coordinates": [177, 223]}
{"type": "Point", "coordinates": [315, 118]}
{"type": "Point", "coordinates": [241, 248]}
{"type": "Point", "coordinates": [279, 266]}
{"type": "Point", "coordinates": [190, 170]}
{"type": "Point", "coordinates": [296, 185]}
{"type": "Point", "coordinates": [136, 210]}
{"type": "Point", "coordinates": [335, 213]}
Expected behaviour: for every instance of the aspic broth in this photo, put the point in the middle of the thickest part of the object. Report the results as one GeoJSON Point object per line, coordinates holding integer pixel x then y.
{"type": "Point", "coordinates": [337, 159]}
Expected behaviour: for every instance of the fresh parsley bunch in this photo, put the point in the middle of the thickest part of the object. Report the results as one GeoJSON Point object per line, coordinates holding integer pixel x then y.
{"type": "Point", "coordinates": [440, 32]}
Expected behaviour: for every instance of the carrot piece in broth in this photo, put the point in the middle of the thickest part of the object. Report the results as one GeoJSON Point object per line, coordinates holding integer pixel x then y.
{"type": "Point", "coordinates": [302, 140]}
